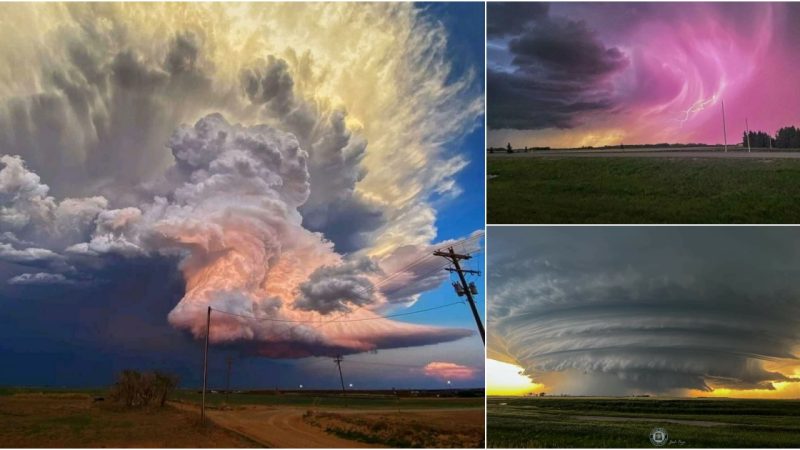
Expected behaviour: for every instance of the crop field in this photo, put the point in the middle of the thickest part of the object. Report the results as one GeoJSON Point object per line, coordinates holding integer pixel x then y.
{"type": "Point", "coordinates": [627, 422]}
{"type": "Point", "coordinates": [556, 190]}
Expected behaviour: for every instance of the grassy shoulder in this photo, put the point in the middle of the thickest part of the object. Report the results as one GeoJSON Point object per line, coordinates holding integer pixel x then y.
{"type": "Point", "coordinates": [453, 429]}
{"type": "Point", "coordinates": [61, 419]}
{"type": "Point", "coordinates": [643, 190]}
{"type": "Point", "coordinates": [574, 422]}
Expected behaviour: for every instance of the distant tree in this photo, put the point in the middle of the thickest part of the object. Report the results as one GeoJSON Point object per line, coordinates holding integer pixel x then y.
{"type": "Point", "coordinates": [788, 137]}
{"type": "Point", "coordinates": [509, 149]}
{"type": "Point", "coordinates": [758, 139]}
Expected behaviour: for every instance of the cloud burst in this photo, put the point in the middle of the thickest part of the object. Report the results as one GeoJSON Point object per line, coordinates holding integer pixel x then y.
{"type": "Point", "coordinates": [278, 200]}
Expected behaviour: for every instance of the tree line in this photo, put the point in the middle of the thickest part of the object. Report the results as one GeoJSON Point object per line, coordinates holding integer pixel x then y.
{"type": "Point", "coordinates": [786, 137]}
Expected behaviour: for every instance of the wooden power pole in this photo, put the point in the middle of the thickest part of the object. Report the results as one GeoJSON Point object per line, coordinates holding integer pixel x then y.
{"type": "Point", "coordinates": [724, 129]}
{"type": "Point", "coordinates": [454, 258]}
{"type": "Point", "coordinates": [228, 360]}
{"type": "Point", "coordinates": [205, 367]}
{"type": "Point", "coordinates": [338, 360]}
{"type": "Point", "coordinates": [747, 130]}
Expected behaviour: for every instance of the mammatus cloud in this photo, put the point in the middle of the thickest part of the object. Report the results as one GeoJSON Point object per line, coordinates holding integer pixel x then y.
{"type": "Point", "coordinates": [308, 174]}
{"type": "Point", "coordinates": [449, 371]}
{"type": "Point", "coordinates": [656, 310]}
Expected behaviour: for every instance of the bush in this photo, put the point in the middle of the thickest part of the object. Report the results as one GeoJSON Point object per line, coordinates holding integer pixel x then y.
{"type": "Point", "coordinates": [135, 389]}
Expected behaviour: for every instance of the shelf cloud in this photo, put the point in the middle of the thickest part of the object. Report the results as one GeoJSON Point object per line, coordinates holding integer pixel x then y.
{"type": "Point", "coordinates": [618, 311]}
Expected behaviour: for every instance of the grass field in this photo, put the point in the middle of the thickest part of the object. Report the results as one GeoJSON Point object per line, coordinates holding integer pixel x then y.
{"type": "Point", "coordinates": [615, 422]}
{"type": "Point", "coordinates": [455, 429]}
{"type": "Point", "coordinates": [331, 400]}
{"type": "Point", "coordinates": [643, 190]}
{"type": "Point", "coordinates": [59, 419]}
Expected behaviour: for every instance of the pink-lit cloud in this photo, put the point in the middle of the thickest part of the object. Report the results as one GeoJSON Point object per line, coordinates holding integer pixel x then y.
{"type": "Point", "coordinates": [449, 371]}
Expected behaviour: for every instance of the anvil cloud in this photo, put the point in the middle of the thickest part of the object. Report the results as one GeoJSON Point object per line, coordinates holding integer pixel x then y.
{"type": "Point", "coordinates": [285, 161]}
{"type": "Point", "coordinates": [578, 74]}
{"type": "Point", "coordinates": [613, 311]}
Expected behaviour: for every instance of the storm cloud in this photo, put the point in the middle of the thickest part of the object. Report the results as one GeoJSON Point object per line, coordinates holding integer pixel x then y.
{"type": "Point", "coordinates": [558, 69]}
{"type": "Point", "coordinates": [613, 311]}
{"type": "Point", "coordinates": [512, 18]}
{"type": "Point", "coordinates": [260, 163]}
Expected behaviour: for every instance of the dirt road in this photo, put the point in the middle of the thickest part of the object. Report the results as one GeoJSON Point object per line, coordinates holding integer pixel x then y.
{"type": "Point", "coordinates": [285, 427]}
{"type": "Point", "coordinates": [275, 427]}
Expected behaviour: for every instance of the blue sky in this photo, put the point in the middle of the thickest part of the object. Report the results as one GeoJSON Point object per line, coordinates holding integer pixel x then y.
{"type": "Point", "coordinates": [80, 335]}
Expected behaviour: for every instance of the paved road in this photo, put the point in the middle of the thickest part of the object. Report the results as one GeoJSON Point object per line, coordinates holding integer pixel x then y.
{"type": "Point", "coordinates": [640, 153]}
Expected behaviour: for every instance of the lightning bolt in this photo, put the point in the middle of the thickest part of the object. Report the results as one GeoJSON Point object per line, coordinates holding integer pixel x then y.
{"type": "Point", "coordinates": [697, 107]}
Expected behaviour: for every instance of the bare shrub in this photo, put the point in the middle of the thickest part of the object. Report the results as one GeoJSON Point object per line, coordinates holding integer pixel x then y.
{"type": "Point", "coordinates": [135, 389]}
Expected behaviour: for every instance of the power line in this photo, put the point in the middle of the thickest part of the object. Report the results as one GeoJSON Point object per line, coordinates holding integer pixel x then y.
{"type": "Point", "coordinates": [465, 289]}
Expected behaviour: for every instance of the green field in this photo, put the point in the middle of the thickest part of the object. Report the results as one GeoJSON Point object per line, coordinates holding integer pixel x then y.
{"type": "Point", "coordinates": [330, 400]}
{"type": "Point", "coordinates": [643, 190]}
{"type": "Point", "coordinates": [592, 422]}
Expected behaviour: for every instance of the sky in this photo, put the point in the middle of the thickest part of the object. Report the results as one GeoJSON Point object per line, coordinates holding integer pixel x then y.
{"type": "Point", "coordinates": [292, 166]}
{"type": "Point", "coordinates": [664, 311]}
{"type": "Point", "coordinates": [575, 74]}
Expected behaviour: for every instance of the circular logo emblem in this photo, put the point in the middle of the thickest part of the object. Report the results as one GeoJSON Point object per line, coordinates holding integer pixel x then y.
{"type": "Point", "coordinates": [659, 437]}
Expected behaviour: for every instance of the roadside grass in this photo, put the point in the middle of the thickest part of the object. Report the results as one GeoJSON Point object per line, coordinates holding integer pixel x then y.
{"type": "Point", "coordinates": [642, 190]}
{"type": "Point", "coordinates": [520, 422]}
{"type": "Point", "coordinates": [409, 430]}
{"type": "Point", "coordinates": [70, 419]}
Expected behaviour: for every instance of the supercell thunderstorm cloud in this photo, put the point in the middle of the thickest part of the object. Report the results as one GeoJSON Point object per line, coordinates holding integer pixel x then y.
{"type": "Point", "coordinates": [620, 311]}
{"type": "Point", "coordinates": [286, 164]}
{"type": "Point", "coordinates": [591, 74]}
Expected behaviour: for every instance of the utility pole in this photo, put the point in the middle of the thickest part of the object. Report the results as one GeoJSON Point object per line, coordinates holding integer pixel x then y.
{"type": "Point", "coordinates": [724, 129]}
{"type": "Point", "coordinates": [228, 360]}
{"type": "Point", "coordinates": [205, 367]}
{"type": "Point", "coordinates": [454, 257]}
{"type": "Point", "coordinates": [747, 129]}
{"type": "Point", "coordinates": [338, 360]}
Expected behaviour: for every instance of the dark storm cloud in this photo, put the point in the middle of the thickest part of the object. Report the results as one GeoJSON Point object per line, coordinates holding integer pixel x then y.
{"type": "Point", "coordinates": [559, 70]}
{"type": "Point", "coordinates": [511, 18]}
{"type": "Point", "coordinates": [627, 310]}
{"type": "Point", "coordinates": [338, 288]}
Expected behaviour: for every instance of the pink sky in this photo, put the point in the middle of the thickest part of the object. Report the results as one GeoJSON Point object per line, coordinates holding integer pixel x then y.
{"type": "Point", "coordinates": [680, 61]}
